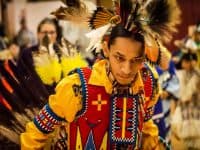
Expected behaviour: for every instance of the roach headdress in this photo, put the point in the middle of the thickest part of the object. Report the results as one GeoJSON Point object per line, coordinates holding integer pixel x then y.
{"type": "Point", "coordinates": [156, 20]}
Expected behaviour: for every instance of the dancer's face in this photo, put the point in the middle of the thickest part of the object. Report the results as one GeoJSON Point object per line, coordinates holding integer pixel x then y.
{"type": "Point", "coordinates": [125, 56]}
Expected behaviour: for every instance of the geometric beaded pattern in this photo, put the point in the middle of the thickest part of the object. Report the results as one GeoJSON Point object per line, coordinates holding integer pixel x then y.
{"type": "Point", "coordinates": [131, 120]}
{"type": "Point", "coordinates": [84, 74]}
{"type": "Point", "coordinates": [47, 120]}
{"type": "Point", "coordinates": [89, 130]}
{"type": "Point", "coordinates": [149, 113]}
{"type": "Point", "coordinates": [150, 82]}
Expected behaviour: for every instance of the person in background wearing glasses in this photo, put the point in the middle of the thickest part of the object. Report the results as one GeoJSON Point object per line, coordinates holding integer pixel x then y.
{"type": "Point", "coordinates": [48, 33]}
{"type": "Point", "coordinates": [48, 27]}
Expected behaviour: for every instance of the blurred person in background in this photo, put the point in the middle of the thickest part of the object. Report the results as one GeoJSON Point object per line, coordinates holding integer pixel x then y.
{"type": "Point", "coordinates": [186, 118]}
{"type": "Point", "coordinates": [11, 52]}
{"type": "Point", "coordinates": [49, 35]}
{"type": "Point", "coordinates": [165, 107]}
{"type": "Point", "coordinates": [190, 43]}
{"type": "Point", "coordinates": [25, 37]}
{"type": "Point", "coordinates": [9, 48]}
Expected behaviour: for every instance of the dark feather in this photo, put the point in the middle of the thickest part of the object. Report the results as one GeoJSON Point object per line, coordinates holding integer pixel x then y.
{"type": "Point", "coordinates": [158, 15]}
{"type": "Point", "coordinates": [100, 17]}
{"type": "Point", "coordinates": [12, 98]}
{"type": "Point", "coordinates": [125, 10]}
{"type": "Point", "coordinates": [72, 3]}
{"type": "Point", "coordinates": [25, 89]}
{"type": "Point", "coordinates": [5, 114]}
{"type": "Point", "coordinates": [164, 15]}
{"type": "Point", "coordinates": [27, 76]}
{"type": "Point", "coordinates": [15, 85]}
{"type": "Point", "coordinates": [10, 126]}
{"type": "Point", "coordinates": [24, 97]}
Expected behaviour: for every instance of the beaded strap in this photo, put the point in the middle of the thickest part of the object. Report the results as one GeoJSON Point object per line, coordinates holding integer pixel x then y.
{"type": "Point", "coordinates": [47, 120]}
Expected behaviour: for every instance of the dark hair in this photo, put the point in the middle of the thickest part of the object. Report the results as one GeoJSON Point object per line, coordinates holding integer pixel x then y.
{"type": "Point", "coordinates": [120, 31]}
{"type": "Point", "coordinates": [189, 57]}
{"type": "Point", "coordinates": [53, 22]}
{"type": "Point", "coordinates": [45, 21]}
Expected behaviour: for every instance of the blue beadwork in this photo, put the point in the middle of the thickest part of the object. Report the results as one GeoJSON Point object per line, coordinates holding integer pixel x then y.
{"type": "Point", "coordinates": [46, 120]}
{"type": "Point", "coordinates": [84, 93]}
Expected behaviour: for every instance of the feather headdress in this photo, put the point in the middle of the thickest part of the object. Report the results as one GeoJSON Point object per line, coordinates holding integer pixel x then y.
{"type": "Point", "coordinates": [75, 11]}
{"type": "Point", "coordinates": [155, 19]}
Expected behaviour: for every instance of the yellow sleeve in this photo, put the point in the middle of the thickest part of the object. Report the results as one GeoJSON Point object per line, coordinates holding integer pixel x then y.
{"type": "Point", "coordinates": [150, 128]}
{"type": "Point", "coordinates": [63, 105]}
{"type": "Point", "coordinates": [66, 103]}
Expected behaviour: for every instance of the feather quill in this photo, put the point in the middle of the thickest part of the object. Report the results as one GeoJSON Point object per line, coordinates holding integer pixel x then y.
{"type": "Point", "coordinates": [96, 37]}
{"type": "Point", "coordinates": [101, 21]}
{"type": "Point", "coordinates": [9, 134]}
